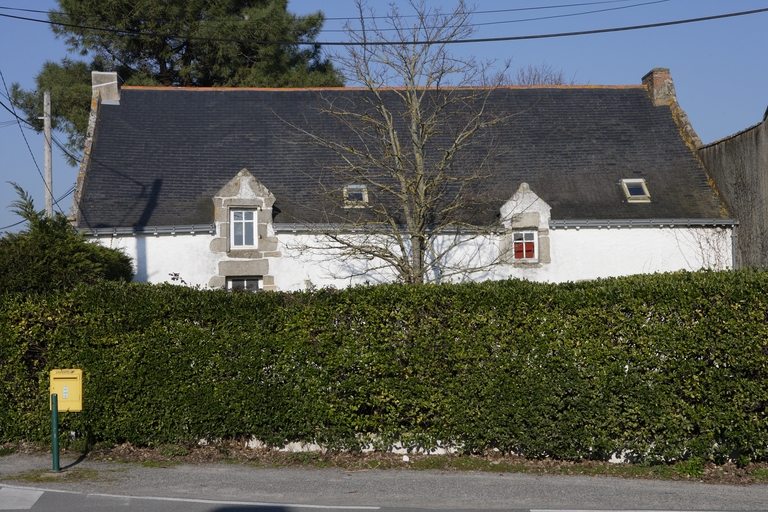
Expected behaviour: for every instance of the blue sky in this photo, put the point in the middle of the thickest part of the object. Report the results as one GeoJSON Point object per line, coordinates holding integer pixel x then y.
{"type": "Point", "coordinates": [719, 67]}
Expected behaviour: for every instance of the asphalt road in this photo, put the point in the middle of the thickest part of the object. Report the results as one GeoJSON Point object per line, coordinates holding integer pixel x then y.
{"type": "Point", "coordinates": [232, 487]}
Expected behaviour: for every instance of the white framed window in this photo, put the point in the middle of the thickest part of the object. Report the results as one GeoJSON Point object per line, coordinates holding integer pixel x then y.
{"type": "Point", "coordinates": [636, 190]}
{"type": "Point", "coordinates": [355, 196]}
{"type": "Point", "coordinates": [242, 224]}
{"type": "Point", "coordinates": [244, 283]}
{"type": "Point", "coordinates": [524, 246]}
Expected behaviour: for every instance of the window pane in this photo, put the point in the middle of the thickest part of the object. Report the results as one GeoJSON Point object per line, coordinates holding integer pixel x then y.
{"type": "Point", "coordinates": [248, 215]}
{"type": "Point", "coordinates": [248, 233]}
{"type": "Point", "coordinates": [250, 284]}
{"type": "Point", "coordinates": [237, 215]}
{"type": "Point", "coordinates": [636, 190]}
{"type": "Point", "coordinates": [529, 249]}
{"type": "Point", "coordinates": [355, 193]}
{"type": "Point", "coordinates": [238, 233]}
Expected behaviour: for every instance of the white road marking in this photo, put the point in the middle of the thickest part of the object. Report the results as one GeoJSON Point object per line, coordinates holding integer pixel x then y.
{"type": "Point", "coordinates": [18, 498]}
{"type": "Point", "coordinates": [5, 486]}
{"type": "Point", "coordinates": [251, 503]}
{"type": "Point", "coordinates": [37, 492]}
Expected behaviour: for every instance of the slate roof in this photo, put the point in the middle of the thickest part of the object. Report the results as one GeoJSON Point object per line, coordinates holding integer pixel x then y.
{"type": "Point", "coordinates": [162, 153]}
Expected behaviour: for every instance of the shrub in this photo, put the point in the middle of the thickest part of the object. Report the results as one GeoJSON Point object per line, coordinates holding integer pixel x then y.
{"type": "Point", "coordinates": [659, 367]}
{"type": "Point", "coordinates": [51, 255]}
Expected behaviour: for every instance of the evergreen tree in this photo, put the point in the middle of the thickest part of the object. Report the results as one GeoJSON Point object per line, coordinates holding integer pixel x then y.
{"type": "Point", "coordinates": [194, 43]}
{"type": "Point", "coordinates": [50, 255]}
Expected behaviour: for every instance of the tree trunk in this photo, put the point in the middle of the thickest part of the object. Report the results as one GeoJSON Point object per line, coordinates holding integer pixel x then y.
{"type": "Point", "coordinates": [417, 267]}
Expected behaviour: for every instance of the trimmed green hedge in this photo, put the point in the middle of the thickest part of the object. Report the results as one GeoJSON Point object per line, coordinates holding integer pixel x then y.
{"type": "Point", "coordinates": [664, 366]}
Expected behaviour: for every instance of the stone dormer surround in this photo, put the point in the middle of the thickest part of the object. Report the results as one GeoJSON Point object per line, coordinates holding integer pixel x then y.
{"type": "Point", "coordinates": [525, 211]}
{"type": "Point", "coordinates": [244, 191]}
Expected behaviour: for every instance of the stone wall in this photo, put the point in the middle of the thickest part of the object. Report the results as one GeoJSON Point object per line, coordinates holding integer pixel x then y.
{"type": "Point", "coordinates": [739, 167]}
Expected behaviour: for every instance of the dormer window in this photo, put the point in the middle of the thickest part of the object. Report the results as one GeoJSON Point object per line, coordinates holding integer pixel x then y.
{"type": "Point", "coordinates": [355, 196]}
{"type": "Point", "coordinates": [243, 225]}
{"type": "Point", "coordinates": [524, 245]}
{"type": "Point", "coordinates": [636, 190]}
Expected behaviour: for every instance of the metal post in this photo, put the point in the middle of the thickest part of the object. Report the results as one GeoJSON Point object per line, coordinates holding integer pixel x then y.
{"type": "Point", "coordinates": [55, 431]}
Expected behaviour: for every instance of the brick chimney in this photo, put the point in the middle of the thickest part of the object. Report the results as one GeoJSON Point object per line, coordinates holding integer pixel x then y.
{"type": "Point", "coordinates": [660, 87]}
{"type": "Point", "coordinates": [107, 85]}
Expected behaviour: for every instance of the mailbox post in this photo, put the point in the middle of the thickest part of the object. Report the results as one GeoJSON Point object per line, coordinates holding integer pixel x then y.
{"type": "Point", "coordinates": [66, 395]}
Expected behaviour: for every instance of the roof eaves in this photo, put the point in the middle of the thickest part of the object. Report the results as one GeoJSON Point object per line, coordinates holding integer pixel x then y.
{"type": "Point", "coordinates": [149, 230]}
{"type": "Point", "coordinates": [641, 223]}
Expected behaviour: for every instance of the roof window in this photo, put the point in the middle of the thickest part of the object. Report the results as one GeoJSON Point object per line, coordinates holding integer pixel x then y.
{"type": "Point", "coordinates": [355, 196]}
{"type": "Point", "coordinates": [636, 190]}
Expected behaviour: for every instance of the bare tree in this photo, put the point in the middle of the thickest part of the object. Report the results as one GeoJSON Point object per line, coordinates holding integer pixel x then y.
{"type": "Point", "coordinates": [543, 74]}
{"type": "Point", "coordinates": [416, 148]}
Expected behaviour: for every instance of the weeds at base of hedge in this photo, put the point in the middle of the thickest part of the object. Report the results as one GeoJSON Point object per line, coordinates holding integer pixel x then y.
{"type": "Point", "coordinates": [164, 456]}
{"type": "Point", "coordinates": [7, 450]}
{"type": "Point", "coordinates": [234, 453]}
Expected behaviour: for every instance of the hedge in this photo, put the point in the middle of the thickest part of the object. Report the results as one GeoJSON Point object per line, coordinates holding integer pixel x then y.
{"type": "Point", "coordinates": [658, 367]}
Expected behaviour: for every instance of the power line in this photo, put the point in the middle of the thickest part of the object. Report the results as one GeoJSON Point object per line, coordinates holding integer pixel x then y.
{"type": "Point", "coordinates": [556, 16]}
{"type": "Point", "coordinates": [393, 43]}
{"type": "Point", "coordinates": [18, 120]}
{"type": "Point", "coordinates": [356, 18]}
{"type": "Point", "coordinates": [12, 110]}
{"type": "Point", "coordinates": [12, 225]}
{"type": "Point", "coordinates": [72, 189]}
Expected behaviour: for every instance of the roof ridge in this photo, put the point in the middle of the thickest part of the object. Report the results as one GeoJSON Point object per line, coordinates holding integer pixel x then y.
{"type": "Point", "coordinates": [289, 89]}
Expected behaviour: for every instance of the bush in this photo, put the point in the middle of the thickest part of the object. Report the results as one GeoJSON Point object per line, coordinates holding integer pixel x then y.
{"type": "Point", "coordinates": [51, 255]}
{"type": "Point", "coordinates": [660, 367]}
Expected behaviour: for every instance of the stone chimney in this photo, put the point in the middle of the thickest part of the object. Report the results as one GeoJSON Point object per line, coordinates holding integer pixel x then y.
{"type": "Point", "coordinates": [107, 85]}
{"type": "Point", "coordinates": [660, 87]}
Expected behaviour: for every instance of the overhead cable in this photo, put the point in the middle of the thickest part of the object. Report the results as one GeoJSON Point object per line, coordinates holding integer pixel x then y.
{"type": "Point", "coordinates": [397, 43]}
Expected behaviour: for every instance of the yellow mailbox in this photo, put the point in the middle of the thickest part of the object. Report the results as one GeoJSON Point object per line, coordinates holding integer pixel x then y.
{"type": "Point", "coordinates": [68, 386]}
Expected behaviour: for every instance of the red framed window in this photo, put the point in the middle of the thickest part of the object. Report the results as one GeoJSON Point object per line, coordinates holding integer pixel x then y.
{"type": "Point", "coordinates": [524, 244]}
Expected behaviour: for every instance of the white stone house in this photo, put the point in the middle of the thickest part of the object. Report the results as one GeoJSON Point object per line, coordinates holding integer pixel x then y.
{"type": "Point", "coordinates": [215, 187]}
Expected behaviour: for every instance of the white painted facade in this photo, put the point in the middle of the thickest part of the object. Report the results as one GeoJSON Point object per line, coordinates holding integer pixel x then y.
{"type": "Point", "coordinates": [564, 251]}
{"type": "Point", "coordinates": [576, 254]}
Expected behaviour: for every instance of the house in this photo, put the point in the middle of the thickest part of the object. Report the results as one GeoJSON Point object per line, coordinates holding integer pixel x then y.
{"type": "Point", "coordinates": [221, 188]}
{"type": "Point", "coordinates": [739, 167]}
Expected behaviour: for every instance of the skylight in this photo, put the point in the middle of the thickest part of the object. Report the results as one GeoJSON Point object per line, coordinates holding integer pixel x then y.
{"type": "Point", "coordinates": [355, 195]}
{"type": "Point", "coordinates": [636, 190]}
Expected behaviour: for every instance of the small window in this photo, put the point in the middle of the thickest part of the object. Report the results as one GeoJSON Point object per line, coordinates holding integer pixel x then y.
{"type": "Point", "coordinates": [355, 196]}
{"type": "Point", "coordinates": [524, 245]}
{"type": "Point", "coordinates": [243, 224]}
{"type": "Point", "coordinates": [244, 284]}
{"type": "Point", "coordinates": [636, 191]}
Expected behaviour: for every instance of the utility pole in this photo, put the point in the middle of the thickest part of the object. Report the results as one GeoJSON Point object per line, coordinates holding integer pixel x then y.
{"type": "Point", "coordinates": [48, 160]}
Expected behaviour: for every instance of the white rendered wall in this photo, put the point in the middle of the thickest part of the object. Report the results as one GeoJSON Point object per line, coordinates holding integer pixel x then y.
{"type": "Point", "coordinates": [156, 257]}
{"type": "Point", "coordinates": [594, 253]}
{"type": "Point", "coordinates": [576, 254]}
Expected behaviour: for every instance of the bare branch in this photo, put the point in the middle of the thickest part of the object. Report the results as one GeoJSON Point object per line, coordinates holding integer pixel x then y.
{"type": "Point", "coordinates": [420, 137]}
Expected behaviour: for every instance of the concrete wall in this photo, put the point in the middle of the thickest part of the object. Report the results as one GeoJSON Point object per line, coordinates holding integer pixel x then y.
{"type": "Point", "coordinates": [739, 167]}
{"type": "Point", "coordinates": [576, 254]}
